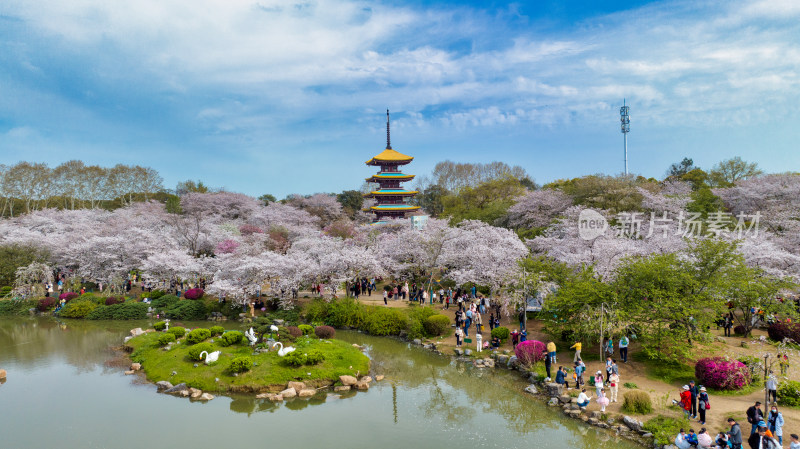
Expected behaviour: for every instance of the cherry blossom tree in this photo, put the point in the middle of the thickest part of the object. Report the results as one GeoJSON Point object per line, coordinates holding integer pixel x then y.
{"type": "Point", "coordinates": [538, 208]}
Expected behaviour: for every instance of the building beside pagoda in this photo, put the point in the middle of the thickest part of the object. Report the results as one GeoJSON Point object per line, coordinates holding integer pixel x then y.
{"type": "Point", "coordinates": [390, 197]}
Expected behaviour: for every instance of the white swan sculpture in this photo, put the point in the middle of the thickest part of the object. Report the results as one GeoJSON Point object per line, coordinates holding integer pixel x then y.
{"type": "Point", "coordinates": [251, 335]}
{"type": "Point", "coordinates": [273, 328]}
{"type": "Point", "coordinates": [211, 358]}
{"type": "Point", "coordinates": [283, 351]}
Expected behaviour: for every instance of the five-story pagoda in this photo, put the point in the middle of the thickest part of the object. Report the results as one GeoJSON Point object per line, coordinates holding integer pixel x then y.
{"type": "Point", "coordinates": [390, 197]}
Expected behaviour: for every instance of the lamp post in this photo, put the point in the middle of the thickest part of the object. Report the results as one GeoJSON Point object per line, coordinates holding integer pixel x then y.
{"type": "Point", "coordinates": [625, 124]}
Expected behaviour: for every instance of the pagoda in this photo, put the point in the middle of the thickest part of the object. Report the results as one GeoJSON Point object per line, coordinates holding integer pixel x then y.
{"type": "Point", "coordinates": [390, 197]}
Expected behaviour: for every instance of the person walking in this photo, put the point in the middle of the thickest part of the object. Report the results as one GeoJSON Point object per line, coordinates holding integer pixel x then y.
{"type": "Point", "coordinates": [547, 365]}
{"type": "Point", "coordinates": [598, 383]}
{"type": "Point", "coordinates": [686, 400]}
{"type": "Point", "coordinates": [754, 415]}
{"type": "Point", "coordinates": [479, 340]}
{"type": "Point", "coordinates": [693, 391]}
{"type": "Point", "coordinates": [610, 347]}
{"type": "Point", "coordinates": [577, 347]}
{"type": "Point", "coordinates": [478, 323]}
{"type": "Point", "coordinates": [784, 362]}
{"type": "Point", "coordinates": [613, 386]}
{"type": "Point", "coordinates": [760, 440]}
{"type": "Point", "coordinates": [728, 325]}
{"type": "Point", "coordinates": [514, 338]}
{"type": "Point", "coordinates": [580, 368]}
{"type": "Point", "coordinates": [735, 434]}
{"type": "Point", "coordinates": [623, 348]}
{"type": "Point", "coordinates": [775, 421]}
{"type": "Point", "coordinates": [551, 351]}
{"type": "Point", "coordinates": [772, 387]}
{"type": "Point", "coordinates": [602, 399]}
{"type": "Point", "coordinates": [703, 404]}
{"type": "Point", "coordinates": [459, 337]}
{"type": "Point", "coordinates": [609, 364]}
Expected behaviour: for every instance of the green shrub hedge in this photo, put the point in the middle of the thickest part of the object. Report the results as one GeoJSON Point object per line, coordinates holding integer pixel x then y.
{"type": "Point", "coordinates": [187, 310]}
{"type": "Point", "coordinates": [78, 308]}
{"type": "Point", "coordinates": [313, 357]}
{"type": "Point", "coordinates": [384, 321]}
{"type": "Point", "coordinates": [165, 338]}
{"type": "Point", "coordinates": [231, 338]}
{"type": "Point", "coordinates": [241, 364]}
{"type": "Point", "coordinates": [12, 307]}
{"type": "Point", "coordinates": [163, 301]}
{"type": "Point", "coordinates": [160, 325]}
{"type": "Point", "coordinates": [217, 330]}
{"type": "Point", "coordinates": [194, 351]}
{"type": "Point", "coordinates": [294, 359]}
{"type": "Point", "coordinates": [437, 325]}
{"type": "Point", "coordinates": [306, 329]}
{"type": "Point", "coordinates": [198, 335]}
{"type": "Point", "coordinates": [501, 332]}
{"type": "Point", "coordinates": [125, 311]}
{"type": "Point", "coordinates": [789, 393]}
{"type": "Point", "coordinates": [177, 331]}
{"type": "Point", "coordinates": [638, 402]}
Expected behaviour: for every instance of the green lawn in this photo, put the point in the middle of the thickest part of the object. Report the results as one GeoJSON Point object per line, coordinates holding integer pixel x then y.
{"type": "Point", "coordinates": [340, 359]}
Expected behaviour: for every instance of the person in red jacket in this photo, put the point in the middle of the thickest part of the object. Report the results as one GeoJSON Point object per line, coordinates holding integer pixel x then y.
{"type": "Point", "coordinates": [686, 400]}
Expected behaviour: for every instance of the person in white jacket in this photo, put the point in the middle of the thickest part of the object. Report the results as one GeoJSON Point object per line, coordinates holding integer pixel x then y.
{"type": "Point", "coordinates": [583, 399]}
{"type": "Point", "coordinates": [681, 442]}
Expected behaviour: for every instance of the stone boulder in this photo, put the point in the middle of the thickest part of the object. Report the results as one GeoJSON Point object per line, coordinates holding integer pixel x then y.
{"type": "Point", "coordinates": [366, 379]}
{"type": "Point", "coordinates": [306, 393]}
{"type": "Point", "coordinates": [277, 322]}
{"type": "Point", "coordinates": [458, 352]}
{"type": "Point", "coordinates": [532, 389]}
{"type": "Point", "coordinates": [194, 393]}
{"type": "Point", "coordinates": [3, 374]}
{"type": "Point", "coordinates": [553, 402]}
{"type": "Point", "coordinates": [183, 393]}
{"type": "Point", "coordinates": [163, 385]}
{"type": "Point", "coordinates": [361, 385]}
{"type": "Point", "coordinates": [502, 359]}
{"type": "Point", "coordinates": [632, 423]}
{"type": "Point", "coordinates": [298, 386]}
{"type": "Point", "coordinates": [348, 380]}
{"type": "Point", "coordinates": [206, 397]}
{"type": "Point", "coordinates": [271, 396]}
{"type": "Point", "coordinates": [340, 388]}
{"type": "Point", "coordinates": [564, 398]}
{"type": "Point", "coordinates": [554, 390]}
{"type": "Point", "coordinates": [136, 366]}
{"type": "Point", "coordinates": [596, 415]}
{"type": "Point", "coordinates": [136, 332]}
{"type": "Point", "coordinates": [489, 363]}
{"type": "Point", "coordinates": [417, 341]}
{"type": "Point", "coordinates": [129, 372]}
{"type": "Point", "coordinates": [177, 389]}
{"type": "Point", "coordinates": [468, 352]}
{"type": "Point", "coordinates": [379, 377]}
{"type": "Point", "coordinates": [288, 393]}
{"type": "Point", "coordinates": [574, 413]}
{"type": "Point", "coordinates": [512, 361]}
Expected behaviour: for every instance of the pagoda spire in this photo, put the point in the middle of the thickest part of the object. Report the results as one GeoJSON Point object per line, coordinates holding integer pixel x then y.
{"type": "Point", "coordinates": [388, 138]}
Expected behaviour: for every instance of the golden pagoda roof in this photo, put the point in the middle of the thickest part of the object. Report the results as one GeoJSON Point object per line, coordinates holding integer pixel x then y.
{"type": "Point", "coordinates": [389, 155]}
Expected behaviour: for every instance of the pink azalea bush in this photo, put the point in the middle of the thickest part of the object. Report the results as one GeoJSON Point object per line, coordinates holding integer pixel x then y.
{"type": "Point", "coordinates": [248, 229]}
{"type": "Point", "coordinates": [721, 373]}
{"type": "Point", "coordinates": [68, 296]}
{"type": "Point", "coordinates": [227, 246]}
{"type": "Point", "coordinates": [530, 351]}
{"type": "Point", "coordinates": [193, 293]}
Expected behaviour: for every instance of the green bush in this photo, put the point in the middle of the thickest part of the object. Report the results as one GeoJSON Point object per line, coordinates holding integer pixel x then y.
{"type": "Point", "coordinates": [501, 332]}
{"type": "Point", "coordinates": [313, 357]}
{"type": "Point", "coordinates": [241, 364]}
{"type": "Point", "coordinates": [177, 331]}
{"type": "Point", "coordinates": [416, 321]}
{"type": "Point", "coordinates": [231, 338]}
{"type": "Point", "coordinates": [630, 385]}
{"type": "Point", "coordinates": [187, 310]}
{"type": "Point", "coordinates": [4, 291]}
{"type": "Point", "coordinates": [163, 301]}
{"type": "Point", "coordinates": [217, 330]}
{"type": "Point", "coordinates": [437, 325]}
{"type": "Point", "coordinates": [198, 335]}
{"type": "Point", "coordinates": [78, 308]}
{"type": "Point", "coordinates": [124, 311]}
{"type": "Point", "coordinates": [12, 307]}
{"type": "Point", "coordinates": [789, 393]}
{"type": "Point", "coordinates": [316, 311]}
{"type": "Point", "coordinates": [194, 351]}
{"type": "Point", "coordinates": [165, 338]}
{"type": "Point", "coordinates": [345, 312]}
{"type": "Point", "coordinates": [665, 428]}
{"type": "Point", "coordinates": [155, 294]}
{"type": "Point", "coordinates": [295, 359]}
{"type": "Point", "coordinates": [160, 326]}
{"type": "Point", "coordinates": [307, 330]}
{"type": "Point", "coordinates": [384, 321]}
{"type": "Point", "coordinates": [637, 402]}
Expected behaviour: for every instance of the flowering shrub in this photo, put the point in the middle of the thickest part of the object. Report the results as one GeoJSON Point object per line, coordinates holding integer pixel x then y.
{"type": "Point", "coordinates": [530, 351]}
{"type": "Point", "coordinates": [111, 300]}
{"type": "Point", "coordinates": [324, 332]}
{"type": "Point", "coordinates": [227, 246]}
{"type": "Point", "coordinates": [247, 229]}
{"type": "Point", "coordinates": [193, 293]}
{"type": "Point", "coordinates": [722, 374]}
{"type": "Point", "coordinates": [781, 330]}
{"type": "Point", "coordinates": [739, 330]}
{"type": "Point", "coordinates": [46, 304]}
{"type": "Point", "coordinates": [68, 296]}
{"type": "Point", "coordinates": [789, 393]}
{"type": "Point", "coordinates": [295, 331]}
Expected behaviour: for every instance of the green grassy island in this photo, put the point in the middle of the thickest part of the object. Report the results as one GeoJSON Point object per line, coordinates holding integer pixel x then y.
{"type": "Point", "coordinates": [241, 368]}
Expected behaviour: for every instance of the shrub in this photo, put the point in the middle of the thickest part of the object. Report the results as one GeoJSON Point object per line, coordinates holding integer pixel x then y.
{"type": "Point", "coordinates": [160, 326]}
{"type": "Point", "coordinates": [241, 364]}
{"type": "Point", "coordinates": [46, 304]}
{"type": "Point", "coordinates": [665, 428]}
{"type": "Point", "coordinates": [630, 385]}
{"type": "Point", "coordinates": [194, 351]}
{"type": "Point", "coordinates": [193, 293]}
{"type": "Point", "coordinates": [417, 316]}
{"type": "Point", "coordinates": [530, 351]}
{"type": "Point", "coordinates": [325, 332]}
{"type": "Point", "coordinates": [177, 331]}
{"type": "Point", "coordinates": [163, 301]}
{"type": "Point", "coordinates": [789, 393]}
{"type": "Point", "coordinates": [436, 325]}
{"type": "Point", "coordinates": [187, 310]}
{"type": "Point", "coordinates": [4, 291]}
{"type": "Point", "coordinates": [111, 300]}
{"type": "Point", "coordinates": [307, 330]}
{"type": "Point", "coordinates": [313, 357]}
{"type": "Point", "coordinates": [123, 311]}
{"type": "Point", "coordinates": [722, 374]}
{"type": "Point", "coordinates": [77, 308]}
{"type": "Point", "coordinates": [294, 359]}
{"type": "Point", "coordinates": [68, 296]}
{"type": "Point", "coordinates": [316, 311]}
{"type": "Point", "coordinates": [345, 312]}
{"type": "Point", "coordinates": [637, 402]}
{"type": "Point", "coordinates": [12, 307]}
{"type": "Point", "coordinates": [231, 338]}
{"type": "Point", "coordinates": [501, 332]}
{"type": "Point", "coordinates": [217, 330]}
{"type": "Point", "coordinates": [384, 321]}
{"type": "Point", "coordinates": [155, 294]}
{"type": "Point", "coordinates": [285, 335]}
{"type": "Point", "coordinates": [198, 335]}
{"type": "Point", "coordinates": [295, 331]}
{"type": "Point", "coordinates": [165, 339]}
{"type": "Point", "coordinates": [781, 330]}
{"type": "Point", "coordinates": [739, 330]}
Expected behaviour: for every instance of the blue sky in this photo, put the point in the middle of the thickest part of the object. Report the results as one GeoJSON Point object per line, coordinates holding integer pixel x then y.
{"type": "Point", "coordinates": [287, 97]}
